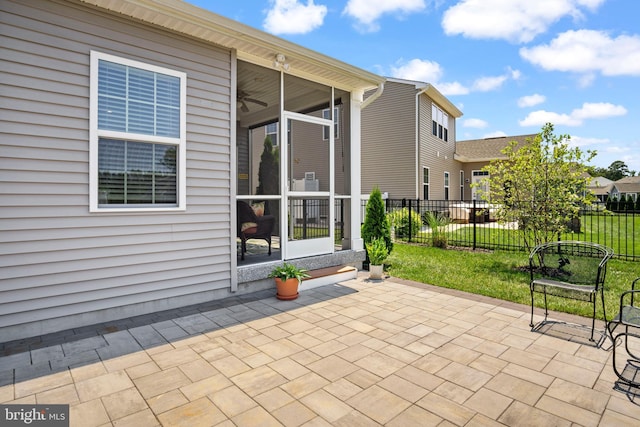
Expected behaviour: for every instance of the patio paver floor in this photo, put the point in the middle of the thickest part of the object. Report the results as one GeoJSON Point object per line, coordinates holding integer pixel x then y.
{"type": "Point", "coordinates": [393, 353]}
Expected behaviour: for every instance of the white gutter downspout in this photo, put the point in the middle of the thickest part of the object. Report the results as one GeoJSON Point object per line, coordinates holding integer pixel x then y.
{"type": "Point", "coordinates": [423, 90]}
{"type": "Point", "coordinates": [373, 97]}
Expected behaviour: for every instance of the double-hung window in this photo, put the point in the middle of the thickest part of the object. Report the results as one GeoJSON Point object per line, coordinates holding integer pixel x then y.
{"type": "Point", "coordinates": [137, 133]}
{"type": "Point", "coordinates": [326, 114]}
{"type": "Point", "coordinates": [271, 131]}
{"type": "Point", "coordinates": [425, 183]}
{"type": "Point", "coordinates": [440, 123]}
{"type": "Point", "coordinates": [446, 185]}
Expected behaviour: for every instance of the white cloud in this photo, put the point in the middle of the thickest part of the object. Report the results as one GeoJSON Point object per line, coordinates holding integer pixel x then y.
{"type": "Point", "coordinates": [541, 117]}
{"type": "Point", "coordinates": [292, 17]}
{"type": "Point", "coordinates": [531, 100]}
{"type": "Point", "coordinates": [486, 84]}
{"type": "Point", "coordinates": [588, 51]}
{"type": "Point", "coordinates": [475, 123]}
{"type": "Point", "coordinates": [452, 88]}
{"type": "Point", "coordinates": [579, 141]}
{"type": "Point", "coordinates": [431, 72]}
{"type": "Point", "coordinates": [518, 21]}
{"type": "Point", "coordinates": [598, 110]}
{"type": "Point", "coordinates": [495, 134]}
{"type": "Point", "coordinates": [418, 70]}
{"type": "Point", "coordinates": [577, 117]}
{"type": "Point", "coordinates": [367, 12]}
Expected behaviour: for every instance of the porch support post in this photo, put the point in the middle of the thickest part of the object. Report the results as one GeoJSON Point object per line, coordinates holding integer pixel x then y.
{"type": "Point", "coordinates": [356, 169]}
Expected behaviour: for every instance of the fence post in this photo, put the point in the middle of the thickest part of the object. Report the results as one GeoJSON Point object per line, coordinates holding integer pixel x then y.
{"type": "Point", "coordinates": [409, 213]}
{"type": "Point", "coordinates": [473, 215]}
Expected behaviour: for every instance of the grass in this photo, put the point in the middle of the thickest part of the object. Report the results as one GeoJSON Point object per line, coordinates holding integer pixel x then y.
{"type": "Point", "coordinates": [497, 274]}
{"type": "Point", "coordinates": [620, 232]}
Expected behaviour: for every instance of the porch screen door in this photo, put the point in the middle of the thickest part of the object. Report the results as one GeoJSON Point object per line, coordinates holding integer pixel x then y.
{"type": "Point", "coordinates": [308, 165]}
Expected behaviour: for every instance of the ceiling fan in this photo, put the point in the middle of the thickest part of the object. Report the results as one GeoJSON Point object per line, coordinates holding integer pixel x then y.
{"type": "Point", "coordinates": [244, 97]}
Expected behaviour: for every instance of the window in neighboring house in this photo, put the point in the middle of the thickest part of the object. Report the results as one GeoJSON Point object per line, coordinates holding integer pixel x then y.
{"type": "Point", "coordinates": [479, 189]}
{"type": "Point", "coordinates": [336, 124]}
{"type": "Point", "coordinates": [137, 134]}
{"type": "Point", "coordinates": [461, 185]}
{"type": "Point", "coordinates": [271, 130]}
{"type": "Point", "coordinates": [446, 185]}
{"type": "Point", "coordinates": [440, 123]}
{"type": "Point", "coordinates": [425, 183]}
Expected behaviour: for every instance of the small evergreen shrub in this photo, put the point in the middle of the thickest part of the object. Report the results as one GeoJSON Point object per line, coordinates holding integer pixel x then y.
{"type": "Point", "coordinates": [376, 223]}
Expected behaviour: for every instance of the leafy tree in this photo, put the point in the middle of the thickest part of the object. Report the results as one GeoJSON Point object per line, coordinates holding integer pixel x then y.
{"type": "Point", "coordinates": [376, 225]}
{"type": "Point", "coordinates": [614, 172]}
{"type": "Point", "coordinates": [617, 170]}
{"type": "Point", "coordinates": [539, 186]}
{"type": "Point", "coordinates": [637, 205]}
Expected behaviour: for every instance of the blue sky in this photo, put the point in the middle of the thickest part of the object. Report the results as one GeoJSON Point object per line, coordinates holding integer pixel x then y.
{"type": "Point", "coordinates": [509, 65]}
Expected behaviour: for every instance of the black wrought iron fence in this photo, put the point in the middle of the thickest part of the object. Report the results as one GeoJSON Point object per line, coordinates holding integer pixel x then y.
{"type": "Point", "coordinates": [473, 224]}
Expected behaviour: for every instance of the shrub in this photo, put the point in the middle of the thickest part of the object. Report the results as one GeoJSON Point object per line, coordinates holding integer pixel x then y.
{"type": "Point", "coordinates": [405, 222]}
{"type": "Point", "coordinates": [437, 223]}
{"type": "Point", "coordinates": [377, 251]}
{"type": "Point", "coordinates": [629, 204]}
{"type": "Point", "coordinates": [376, 223]}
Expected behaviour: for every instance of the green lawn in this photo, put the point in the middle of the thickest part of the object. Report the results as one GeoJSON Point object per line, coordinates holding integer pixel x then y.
{"type": "Point", "coordinates": [498, 274]}
{"type": "Point", "coordinates": [619, 232]}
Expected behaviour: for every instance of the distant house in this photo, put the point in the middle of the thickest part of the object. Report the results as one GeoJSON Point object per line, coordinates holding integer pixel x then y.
{"type": "Point", "coordinates": [474, 154]}
{"type": "Point", "coordinates": [627, 186]}
{"type": "Point", "coordinates": [408, 143]}
{"type": "Point", "coordinates": [600, 186]}
{"type": "Point", "coordinates": [127, 143]}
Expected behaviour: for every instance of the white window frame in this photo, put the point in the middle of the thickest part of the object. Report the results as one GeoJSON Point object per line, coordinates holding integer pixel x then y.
{"type": "Point", "coordinates": [461, 185]}
{"type": "Point", "coordinates": [476, 176]}
{"type": "Point", "coordinates": [336, 123]}
{"type": "Point", "coordinates": [274, 141]}
{"type": "Point", "coordinates": [425, 184]}
{"type": "Point", "coordinates": [447, 188]}
{"type": "Point", "coordinates": [440, 123]}
{"type": "Point", "coordinates": [95, 134]}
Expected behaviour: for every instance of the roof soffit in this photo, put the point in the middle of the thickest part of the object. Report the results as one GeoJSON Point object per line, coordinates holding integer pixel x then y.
{"type": "Point", "coordinates": [250, 44]}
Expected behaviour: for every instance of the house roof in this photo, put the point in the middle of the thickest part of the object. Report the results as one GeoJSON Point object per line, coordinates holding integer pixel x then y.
{"type": "Point", "coordinates": [432, 93]}
{"type": "Point", "coordinates": [251, 45]}
{"type": "Point", "coordinates": [628, 184]}
{"type": "Point", "coordinates": [599, 181]}
{"type": "Point", "coordinates": [487, 149]}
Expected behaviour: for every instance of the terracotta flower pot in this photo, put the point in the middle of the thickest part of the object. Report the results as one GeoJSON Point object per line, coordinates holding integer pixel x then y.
{"type": "Point", "coordinates": [288, 289]}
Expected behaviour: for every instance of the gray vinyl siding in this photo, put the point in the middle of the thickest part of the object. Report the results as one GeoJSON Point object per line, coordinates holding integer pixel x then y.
{"type": "Point", "coordinates": [389, 142]}
{"type": "Point", "coordinates": [437, 155]}
{"type": "Point", "coordinates": [56, 258]}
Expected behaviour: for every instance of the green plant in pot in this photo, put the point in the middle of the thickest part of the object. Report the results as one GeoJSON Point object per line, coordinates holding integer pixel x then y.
{"type": "Point", "coordinates": [378, 253]}
{"type": "Point", "coordinates": [288, 278]}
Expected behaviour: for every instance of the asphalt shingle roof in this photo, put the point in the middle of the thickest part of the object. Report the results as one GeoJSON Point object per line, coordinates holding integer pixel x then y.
{"type": "Point", "coordinates": [488, 148]}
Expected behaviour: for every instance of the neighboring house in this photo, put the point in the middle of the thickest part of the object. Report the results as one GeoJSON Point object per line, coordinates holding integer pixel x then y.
{"type": "Point", "coordinates": [600, 187]}
{"type": "Point", "coordinates": [126, 142]}
{"type": "Point", "coordinates": [627, 186]}
{"type": "Point", "coordinates": [474, 154]}
{"type": "Point", "coordinates": [408, 143]}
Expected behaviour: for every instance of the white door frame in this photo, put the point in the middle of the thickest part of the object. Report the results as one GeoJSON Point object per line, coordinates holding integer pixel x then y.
{"type": "Point", "coordinates": [302, 248]}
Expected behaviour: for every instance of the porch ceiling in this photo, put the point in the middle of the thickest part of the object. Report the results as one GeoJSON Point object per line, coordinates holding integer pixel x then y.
{"type": "Point", "coordinates": [251, 44]}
